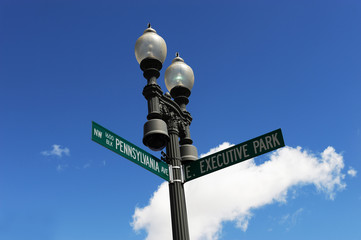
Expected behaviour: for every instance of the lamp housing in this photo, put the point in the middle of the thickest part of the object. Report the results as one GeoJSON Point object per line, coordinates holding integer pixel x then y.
{"type": "Point", "coordinates": [188, 152]}
{"type": "Point", "coordinates": [179, 74]}
{"type": "Point", "coordinates": [155, 134]}
{"type": "Point", "coordinates": [150, 45]}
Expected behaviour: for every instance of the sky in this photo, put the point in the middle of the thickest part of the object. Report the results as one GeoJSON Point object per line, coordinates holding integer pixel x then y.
{"type": "Point", "coordinates": [258, 66]}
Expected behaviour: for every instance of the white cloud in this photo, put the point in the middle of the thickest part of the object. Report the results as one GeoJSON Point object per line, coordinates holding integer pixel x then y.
{"type": "Point", "coordinates": [61, 167]}
{"type": "Point", "coordinates": [284, 218]}
{"type": "Point", "coordinates": [290, 220]}
{"type": "Point", "coordinates": [57, 151]}
{"type": "Point", "coordinates": [352, 172]}
{"type": "Point", "coordinates": [232, 193]}
{"type": "Point", "coordinates": [296, 215]}
{"type": "Point", "coordinates": [217, 149]}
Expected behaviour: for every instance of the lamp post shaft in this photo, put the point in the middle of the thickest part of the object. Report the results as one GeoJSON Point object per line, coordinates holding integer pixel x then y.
{"type": "Point", "coordinates": [168, 120]}
{"type": "Point", "coordinates": [176, 188]}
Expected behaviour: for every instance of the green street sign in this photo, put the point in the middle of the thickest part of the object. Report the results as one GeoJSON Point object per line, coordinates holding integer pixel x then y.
{"type": "Point", "coordinates": [236, 154]}
{"type": "Point", "coordinates": [130, 151]}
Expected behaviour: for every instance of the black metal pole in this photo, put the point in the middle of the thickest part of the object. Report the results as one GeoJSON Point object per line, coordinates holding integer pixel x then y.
{"type": "Point", "coordinates": [176, 188]}
{"type": "Point", "coordinates": [163, 110]}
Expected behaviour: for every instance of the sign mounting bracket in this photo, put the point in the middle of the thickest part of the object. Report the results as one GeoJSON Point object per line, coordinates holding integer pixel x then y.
{"type": "Point", "coordinates": [171, 176]}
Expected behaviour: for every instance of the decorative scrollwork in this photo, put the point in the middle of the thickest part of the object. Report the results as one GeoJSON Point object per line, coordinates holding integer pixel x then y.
{"type": "Point", "coordinates": [164, 111]}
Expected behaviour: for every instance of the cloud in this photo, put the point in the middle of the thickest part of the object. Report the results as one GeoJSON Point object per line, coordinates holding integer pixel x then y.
{"type": "Point", "coordinates": [61, 167]}
{"type": "Point", "coordinates": [231, 194]}
{"type": "Point", "coordinates": [57, 151]}
{"type": "Point", "coordinates": [352, 172]}
{"type": "Point", "coordinates": [217, 149]}
{"type": "Point", "coordinates": [290, 220]}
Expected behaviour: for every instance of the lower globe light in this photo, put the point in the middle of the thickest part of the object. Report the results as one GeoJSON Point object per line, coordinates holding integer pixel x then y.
{"type": "Point", "coordinates": [179, 74]}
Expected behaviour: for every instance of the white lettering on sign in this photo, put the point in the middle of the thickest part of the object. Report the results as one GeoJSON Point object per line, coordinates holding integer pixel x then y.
{"type": "Point", "coordinates": [188, 171]}
{"type": "Point", "coordinates": [275, 139]}
{"type": "Point", "coordinates": [139, 156]}
{"type": "Point", "coordinates": [119, 144]}
{"type": "Point", "coordinates": [98, 133]}
{"type": "Point", "coordinates": [201, 166]}
{"type": "Point", "coordinates": [110, 143]}
{"type": "Point", "coordinates": [109, 136]}
{"type": "Point", "coordinates": [221, 160]}
{"type": "Point", "coordinates": [233, 155]}
{"type": "Point", "coordinates": [242, 151]}
{"type": "Point", "coordinates": [129, 151]}
{"type": "Point", "coordinates": [164, 170]}
{"type": "Point", "coordinates": [219, 163]}
{"type": "Point", "coordinates": [265, 144]}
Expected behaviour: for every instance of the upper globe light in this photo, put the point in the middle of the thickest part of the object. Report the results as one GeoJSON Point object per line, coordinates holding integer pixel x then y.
{"type": "Point", "coordinates": [150, 45]}
{"type": "Point", "coordinates": [179, 74]}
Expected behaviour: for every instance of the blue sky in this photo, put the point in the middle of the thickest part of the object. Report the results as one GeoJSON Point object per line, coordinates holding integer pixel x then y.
{"type": "Point", "coordinates": [258, 65]}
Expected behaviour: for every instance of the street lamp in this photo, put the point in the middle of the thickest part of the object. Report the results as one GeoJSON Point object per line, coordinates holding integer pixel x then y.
{"type": "Point", "coordinates": [168, 120]}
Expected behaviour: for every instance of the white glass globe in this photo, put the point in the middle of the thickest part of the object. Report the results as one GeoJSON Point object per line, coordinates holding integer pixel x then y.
{"type": "Point", "coordinates": [150, 44]}
{"type": "Point", "coordinates": [179, 74]}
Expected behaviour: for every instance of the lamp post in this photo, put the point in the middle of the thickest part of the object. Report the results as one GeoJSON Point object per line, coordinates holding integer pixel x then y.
{"type": "Point", "coordinates": [168, 120]}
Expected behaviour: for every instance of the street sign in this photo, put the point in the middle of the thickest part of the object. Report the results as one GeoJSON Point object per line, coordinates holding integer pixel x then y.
{"type": "Point", "coordinates": [236, 154]}
{"type": "Point", "coordinates": [128, 150]}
